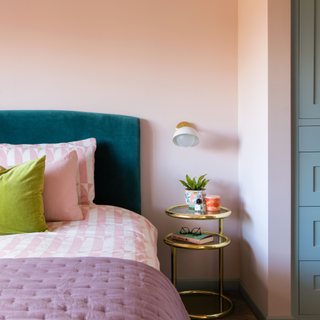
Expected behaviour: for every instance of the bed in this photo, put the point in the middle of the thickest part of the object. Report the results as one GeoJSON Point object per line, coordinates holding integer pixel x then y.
{"type": "Point", "coordinates": [73, 242]}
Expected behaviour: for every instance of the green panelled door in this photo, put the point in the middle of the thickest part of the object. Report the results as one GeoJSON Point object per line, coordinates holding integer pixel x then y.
{"type": "Point", "coordinates": [309, 161]}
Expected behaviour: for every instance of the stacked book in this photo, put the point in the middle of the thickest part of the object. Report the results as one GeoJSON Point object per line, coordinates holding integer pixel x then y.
{"type": "Point", "coordinates": [191, 238]}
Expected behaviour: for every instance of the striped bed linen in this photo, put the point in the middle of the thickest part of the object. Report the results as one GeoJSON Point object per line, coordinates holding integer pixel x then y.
{"type": "Point", "coordinates": [106, 231]}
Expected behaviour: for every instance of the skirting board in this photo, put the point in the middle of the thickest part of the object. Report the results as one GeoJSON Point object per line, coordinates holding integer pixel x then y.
{"type": "Point", "coordinates": [228, 285]}
{"type": "Point", "coordinates": [255, 308]}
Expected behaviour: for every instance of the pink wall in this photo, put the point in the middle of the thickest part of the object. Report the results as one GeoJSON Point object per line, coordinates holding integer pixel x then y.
{"type": "Point", "coordinates": [279, 125]}
{"type": "Point", "coordinates": [264, 154]}
{"type": "Point", "coordinates": [163, 61]}
{"type": "Point", "coordinates": [253, 151]}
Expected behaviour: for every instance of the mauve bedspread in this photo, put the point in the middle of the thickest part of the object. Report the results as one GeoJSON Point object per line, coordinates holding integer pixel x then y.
{"type": "Point", "coordinates": [86, 288]}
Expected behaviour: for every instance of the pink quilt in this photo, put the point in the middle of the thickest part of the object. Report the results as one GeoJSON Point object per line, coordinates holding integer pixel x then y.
{"type": "Point", "coordinates": [88, 288]}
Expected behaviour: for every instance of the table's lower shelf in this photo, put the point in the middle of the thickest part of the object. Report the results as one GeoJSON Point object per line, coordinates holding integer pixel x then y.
{"type": "Point", "coordinates": [220, 241]}
{"type": "Point", "coordinates": [206, 304]}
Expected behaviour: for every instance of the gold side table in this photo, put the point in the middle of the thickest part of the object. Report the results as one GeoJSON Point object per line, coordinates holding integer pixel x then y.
{"type": "Point", "coordinates": [220, 241]}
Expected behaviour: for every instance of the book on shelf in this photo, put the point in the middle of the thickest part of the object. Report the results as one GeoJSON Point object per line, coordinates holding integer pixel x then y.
{"type": "Point", "coordinates": [191, 238]}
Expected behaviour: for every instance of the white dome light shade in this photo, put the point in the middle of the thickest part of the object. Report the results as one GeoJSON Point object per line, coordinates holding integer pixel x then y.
{"type": "Point", "coordinates": [185, 136]}
{"type": "Point", "coordinates": [185, 140]}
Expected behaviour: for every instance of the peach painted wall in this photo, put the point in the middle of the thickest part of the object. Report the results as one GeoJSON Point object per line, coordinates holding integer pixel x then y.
{"type": "Point", "coordinates": [162, 61]}
{"type": "Point", "coordinates": [264, 153]}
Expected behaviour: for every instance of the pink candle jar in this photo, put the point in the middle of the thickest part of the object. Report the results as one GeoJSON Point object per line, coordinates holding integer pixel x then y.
{"type": "Point", "coordinates": [213, 203]}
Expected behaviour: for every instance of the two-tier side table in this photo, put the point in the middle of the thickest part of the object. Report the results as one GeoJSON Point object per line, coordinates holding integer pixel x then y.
{"type": "Point", "coordinates": [219, 242]}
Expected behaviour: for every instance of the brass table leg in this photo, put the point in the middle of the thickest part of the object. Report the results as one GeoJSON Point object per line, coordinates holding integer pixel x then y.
{"type": "Point", "coordinates": [174, 266]}
{"type": "Point", "coordinates": [220, 268]}
{"type": "Point", "coordinates": [220, 301]}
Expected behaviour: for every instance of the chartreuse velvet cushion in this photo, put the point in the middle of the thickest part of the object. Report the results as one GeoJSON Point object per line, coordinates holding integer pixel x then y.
{"type": "Point", "coordinates": [21, 202]}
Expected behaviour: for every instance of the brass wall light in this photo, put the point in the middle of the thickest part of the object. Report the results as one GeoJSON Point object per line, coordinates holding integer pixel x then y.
{"type": "Point", "coordinates": [185, 135]}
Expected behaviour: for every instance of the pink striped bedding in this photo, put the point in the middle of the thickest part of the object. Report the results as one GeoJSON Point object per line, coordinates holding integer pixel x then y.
{"type": "Point", "coordinates": [106, 231]}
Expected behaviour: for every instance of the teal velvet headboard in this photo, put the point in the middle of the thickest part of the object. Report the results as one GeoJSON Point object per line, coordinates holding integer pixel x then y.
{"type": "Point", "coordinates": [117, 158]}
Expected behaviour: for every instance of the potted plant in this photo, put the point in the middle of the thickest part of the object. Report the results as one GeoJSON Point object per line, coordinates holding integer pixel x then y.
{"type": "Point", "coordinates": [195, 189]}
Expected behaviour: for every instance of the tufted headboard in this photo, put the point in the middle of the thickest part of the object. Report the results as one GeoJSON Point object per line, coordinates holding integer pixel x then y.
{"type": "Point", "coordinates": [117, 158]}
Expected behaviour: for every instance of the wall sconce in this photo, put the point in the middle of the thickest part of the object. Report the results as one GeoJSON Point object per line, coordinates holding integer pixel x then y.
{"type": "Point", "coordinates": [185, 135]}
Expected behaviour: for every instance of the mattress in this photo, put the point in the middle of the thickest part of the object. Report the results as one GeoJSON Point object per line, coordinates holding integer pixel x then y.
{"type": "Point", "coordinates": [106, 231]}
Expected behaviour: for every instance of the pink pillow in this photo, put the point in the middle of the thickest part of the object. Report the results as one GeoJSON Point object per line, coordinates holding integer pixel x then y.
{"type": "Point", "coordinates": [60, 198]}
{"type": "Point", "coordinates": [13, 154]}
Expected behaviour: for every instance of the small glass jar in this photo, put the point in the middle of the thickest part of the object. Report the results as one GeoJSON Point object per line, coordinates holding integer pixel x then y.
{"type": "Point", "coordinates": [213, 203]}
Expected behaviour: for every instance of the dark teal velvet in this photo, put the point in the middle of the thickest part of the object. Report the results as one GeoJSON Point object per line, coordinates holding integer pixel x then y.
{"type": "Point", "coordinates": [117, 158]}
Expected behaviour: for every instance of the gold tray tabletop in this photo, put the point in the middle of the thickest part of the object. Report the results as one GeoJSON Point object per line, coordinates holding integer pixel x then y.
{"type": "Point", "coordinates": [182, 211]}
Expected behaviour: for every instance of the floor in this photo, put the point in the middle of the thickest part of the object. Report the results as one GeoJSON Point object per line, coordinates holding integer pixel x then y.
{"type": "Point", "coordinates": [241, 310]}
{"type": "Point", "coordinates": [201, 305]}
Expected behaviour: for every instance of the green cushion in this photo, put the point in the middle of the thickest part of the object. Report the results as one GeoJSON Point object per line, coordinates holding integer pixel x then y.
{"type": "Point", "coordinates": [21, 203]}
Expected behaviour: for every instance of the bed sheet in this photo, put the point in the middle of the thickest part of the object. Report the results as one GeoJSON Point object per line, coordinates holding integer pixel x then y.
{"type": "Point", "coordinates": [106, 231]}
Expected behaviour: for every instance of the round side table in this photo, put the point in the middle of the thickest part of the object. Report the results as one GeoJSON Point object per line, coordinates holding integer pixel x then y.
{"type": "Point", "coordinates": [219, 242]}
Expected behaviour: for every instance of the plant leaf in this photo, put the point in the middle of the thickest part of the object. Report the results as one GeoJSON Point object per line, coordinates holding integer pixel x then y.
{"type": "Point", "coordinates": [204, 183]}
{"type": "Point", "coordinates": [194, 182]}
{"type": "Point", "coordinates": [189, 181]}
{"type": "Point", "coordinates": [200, 179]}
{"type": "Point", "coordinates": [185, 184]}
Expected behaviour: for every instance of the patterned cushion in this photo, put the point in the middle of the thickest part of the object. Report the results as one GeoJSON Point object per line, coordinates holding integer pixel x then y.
{"type": "Point", "coordinates": [11, 155]}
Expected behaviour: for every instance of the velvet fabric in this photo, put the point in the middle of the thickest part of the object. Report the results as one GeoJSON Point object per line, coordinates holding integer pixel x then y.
{"type": "Point", "coordinates": [21, 202]}
{"type": "Point", "coordinates": [89, 288]}
{"type": "Point", "coordinates": [117, 158]}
